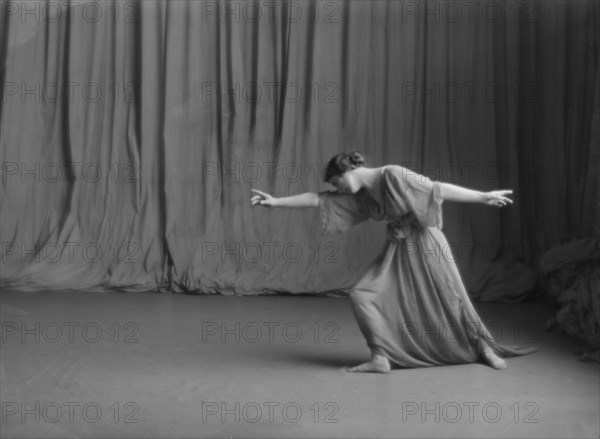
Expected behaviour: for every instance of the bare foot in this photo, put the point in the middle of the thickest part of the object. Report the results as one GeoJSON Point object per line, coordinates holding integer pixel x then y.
{"type": "Point", "coordinates": [378, 364]}
{"type": "Point", "coordinates": [491, 358]}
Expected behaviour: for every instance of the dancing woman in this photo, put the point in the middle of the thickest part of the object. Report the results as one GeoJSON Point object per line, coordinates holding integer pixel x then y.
{"type": "Point", "coordinates": [411, 305]}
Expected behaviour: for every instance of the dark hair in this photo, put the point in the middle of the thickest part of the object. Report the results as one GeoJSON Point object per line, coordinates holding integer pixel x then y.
{"type": "Point", "coordinates": [343, 162]}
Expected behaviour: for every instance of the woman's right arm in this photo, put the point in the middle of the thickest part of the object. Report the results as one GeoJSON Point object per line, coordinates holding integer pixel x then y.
{"type": "Point", "coordinates": [452, 192]}
{"type": "Point", "coordinates": [306, 199]}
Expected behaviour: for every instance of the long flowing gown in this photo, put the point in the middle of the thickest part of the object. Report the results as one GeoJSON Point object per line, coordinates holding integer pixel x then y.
{"type": "Point", "coordinates": [411, 304]}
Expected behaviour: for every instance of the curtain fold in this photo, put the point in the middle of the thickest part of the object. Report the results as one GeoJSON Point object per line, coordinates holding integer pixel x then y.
{"type": "Point", "coordinates": [133, 131]}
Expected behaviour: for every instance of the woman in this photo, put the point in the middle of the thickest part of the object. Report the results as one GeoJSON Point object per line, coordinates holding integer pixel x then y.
{"type": "Point", "coordinates": [411, 304]}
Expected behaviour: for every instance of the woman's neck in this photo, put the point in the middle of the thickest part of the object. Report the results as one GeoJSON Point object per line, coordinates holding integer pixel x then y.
{"type": "Point", "coordinates": [368, 177]}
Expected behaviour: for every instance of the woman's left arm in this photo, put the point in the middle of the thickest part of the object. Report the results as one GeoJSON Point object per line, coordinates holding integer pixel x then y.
{"type": "Point", "coordinates": [451, 192]}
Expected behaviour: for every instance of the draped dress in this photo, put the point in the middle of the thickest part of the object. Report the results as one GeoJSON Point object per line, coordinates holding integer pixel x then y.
{"type": "Point", "coordinates": [411, 304]}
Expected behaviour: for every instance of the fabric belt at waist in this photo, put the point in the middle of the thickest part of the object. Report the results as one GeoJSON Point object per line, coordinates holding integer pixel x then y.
{"type": "Point", "coordinates": [399, 228]}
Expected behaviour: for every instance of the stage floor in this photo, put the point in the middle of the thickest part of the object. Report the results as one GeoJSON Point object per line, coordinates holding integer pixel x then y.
{"type": "Point", "coordinates": [149, 365]}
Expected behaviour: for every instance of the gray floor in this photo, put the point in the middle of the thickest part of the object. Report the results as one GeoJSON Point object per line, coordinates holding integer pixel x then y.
{"type": "Point", "coordinates": [113, 364]}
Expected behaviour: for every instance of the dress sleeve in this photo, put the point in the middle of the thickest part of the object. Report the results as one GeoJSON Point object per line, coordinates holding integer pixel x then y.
{"type": "Point", "coordinates": [416, 193]}
{"type": "Point", "coordinates": [339, 212]}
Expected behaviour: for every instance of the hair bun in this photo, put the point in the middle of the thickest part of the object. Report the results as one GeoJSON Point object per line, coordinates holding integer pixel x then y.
{"type": "Point", "coordinates": [356, 158]}
{"type": "Point", "coordinates": [342, 162]}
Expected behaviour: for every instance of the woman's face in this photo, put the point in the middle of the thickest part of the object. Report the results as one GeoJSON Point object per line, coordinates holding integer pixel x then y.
{"type": "Point", "coordinates": [346, 183]}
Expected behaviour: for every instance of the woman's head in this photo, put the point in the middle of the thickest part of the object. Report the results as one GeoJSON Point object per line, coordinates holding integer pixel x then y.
{"type": "Point", "coordinates": [337, 171]}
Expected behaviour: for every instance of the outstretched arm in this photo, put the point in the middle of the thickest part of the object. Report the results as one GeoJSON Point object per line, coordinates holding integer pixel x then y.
{"type": "Point", "coordinates": [306, 199]}
{"type": "Point", "coordinates": [451, 192]}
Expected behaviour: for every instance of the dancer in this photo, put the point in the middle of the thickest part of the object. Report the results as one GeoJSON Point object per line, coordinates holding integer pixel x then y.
{"type": "Point", "coordinates": [411, 305]}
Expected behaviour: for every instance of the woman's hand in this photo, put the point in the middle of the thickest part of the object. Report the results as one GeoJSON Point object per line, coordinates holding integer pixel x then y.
{"type": "Point", "coordinates": [262, 198]}
{"type": "Point", "coordinates": [497, 198]}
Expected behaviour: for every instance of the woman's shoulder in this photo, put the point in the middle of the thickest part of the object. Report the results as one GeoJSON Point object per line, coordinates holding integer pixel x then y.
{"type": "Point", "coordinates": [397, 171]}
{"type": "Point", "coordinates": [399, 176]}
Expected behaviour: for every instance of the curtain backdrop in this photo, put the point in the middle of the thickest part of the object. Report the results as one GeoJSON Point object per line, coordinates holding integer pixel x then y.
{"type": "Point", "coordinates": [133, 131]}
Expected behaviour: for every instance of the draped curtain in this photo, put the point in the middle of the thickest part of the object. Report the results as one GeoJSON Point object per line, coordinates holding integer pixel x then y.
{"type": "Point", "coordinates": [133, 131]}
